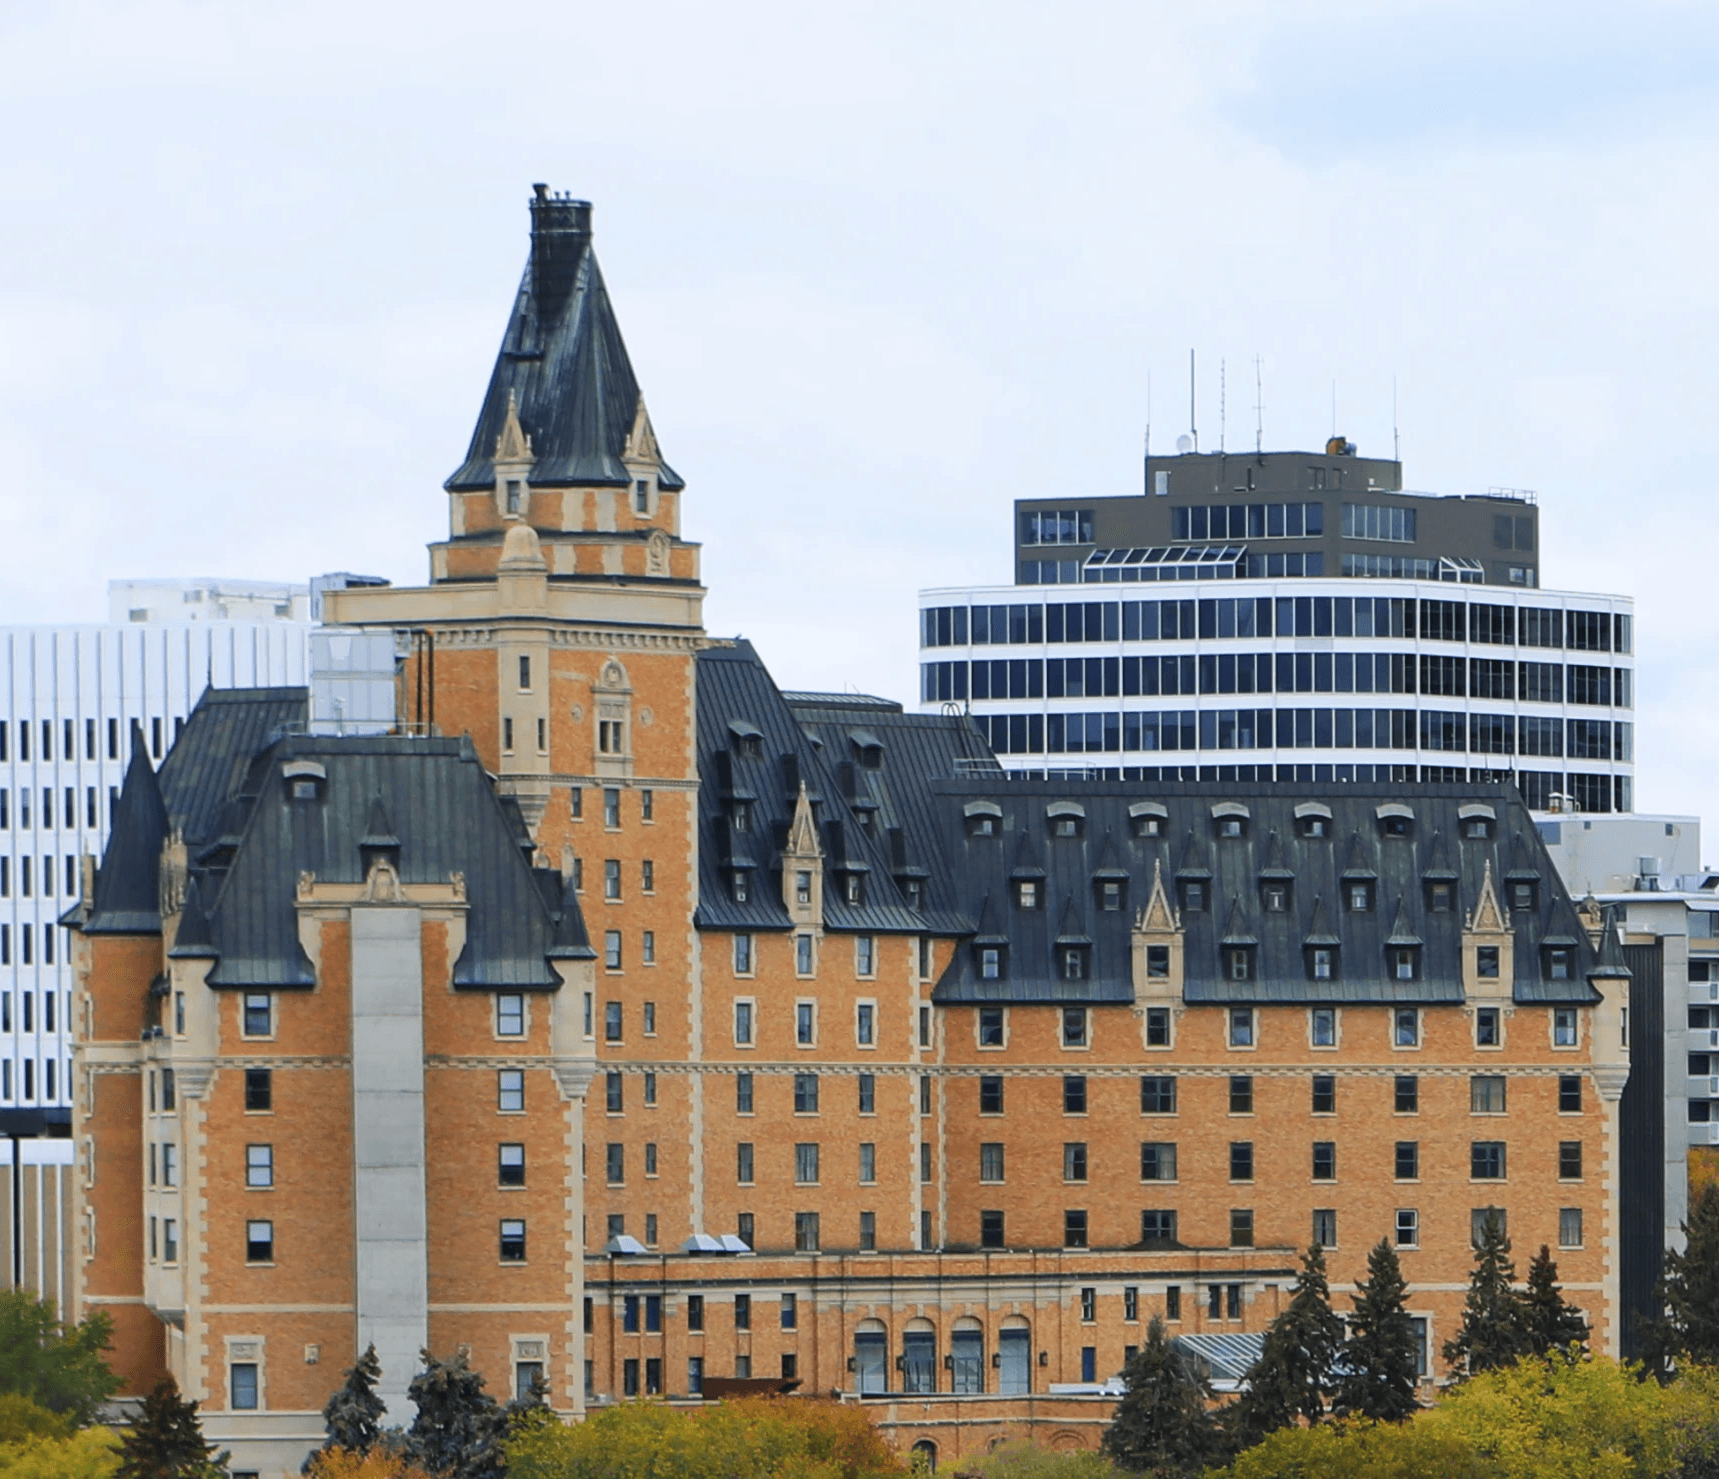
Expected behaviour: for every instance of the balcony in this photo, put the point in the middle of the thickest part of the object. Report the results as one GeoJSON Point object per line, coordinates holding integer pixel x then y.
{"type": "Point", "coordinates": [1703, 1088]}
{"type": "Point", "coordinates": [1701, 993]}
{"type": "Point", "coordinates": [1707, 1134]}
{"type": "Point", "coordinates": [1704, 1039]}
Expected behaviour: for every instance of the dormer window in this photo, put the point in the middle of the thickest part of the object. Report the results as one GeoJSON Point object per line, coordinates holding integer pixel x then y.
{"type": "Point", "coordinates": [515, 495]}
{"type": "Point", "coordinates": [1395, 819]}
{"type": "Point", "coordinates": [1441, 897]}
{"type": "Point", "coordinates": [991, 960]}
{"type": "Point", "coordinates": [1193, 895]}
{"type": "Point", "coordinates": [1158, 961]}
{"type": "Point", "coordinates": [303, 790]}
{"type": "Point", "coordinates": [642, 496]}
{"type": "Point", "coordinates": [1274, 897]}
{"type": "Point", "coordinates": [1110, 894]}
{"type": "Point", "coordinates": [304, 781]}
{"type": "Point", "coordinates": [1477, 829]}
{"type": "Point", "coordinates": [913, 891]}
{"type": "Point", "coordinates": [868, 747]}
{"type": "Point", "coordinates": [748, 739]}
{"type": "Point", "coordinates": [1066, 819]}
{"type": "Point", "coordinates": [740, 816]}
{"type": "Point", "coordinates": [1148, 819]}
{"type": "Point", "coordinates": [1315, 827]}
{"type": "Point", "coordinates": [1072, 962]}
{"type": "Point", "coordinates": [1358, 896]}
{"type": "Point", "coordinates": [741, 885]}
{"type": "Point", "coordinates": [1238, 963]}
{"type": "Point", "coordinates": [984, 825]}
{"type": "Point", "coordinates": [1522, 894]}
{"type": "Point", "coordinates": [1321, 963]}
{"type": "Point", "coordinates": [1026, 893]}
{"type": "Point", "coordinates": [1229, 826]}
{"type": "Point", "coordinates": [803, 886]}
{"type": "Point", "coordinates": [1230, 818]}
{"type": "Point", "coordinates": [1476, 820]}
{"type": "Point", "coordinates": [1313, 819]}
{"type": "Point", "coordinates": [1486, 962]}
{"type": "Point", "coordinates": [1405, 962]}
{"type": "Point", "coordinates": [1557, 964]}
{"type": "Point", "coordinates": [853, 889]}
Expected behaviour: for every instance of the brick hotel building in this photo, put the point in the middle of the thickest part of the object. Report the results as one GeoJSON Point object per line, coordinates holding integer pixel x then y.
{"type": "Point", "coordinates": [665, 1026]}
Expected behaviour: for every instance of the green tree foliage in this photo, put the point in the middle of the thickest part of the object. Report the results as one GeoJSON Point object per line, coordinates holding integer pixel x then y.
{"type": "Point", "coordinates": [459, 1429]}
{"type": "Point", "coordinates": [353, 1416]}
{"type": "Point", "coordinates": [1688, 1294]}
{"type": "Point", "coordinates": [1359, 1449]}
{"type": "Point", "coordinates": [55, 1366]}
{"type": "Point", "coordinates": [1028, 1461]}
{"type": "Point", "coordinates": [756, 1438]}
{"type": "Point", "coordinates": [1550, 1323]}
{"type": "Point", "coordinates": [1163, 1425]}
{"type": "Point", "coordinates": [24, 1421]}
{"type": "Point", "coordinates": [1379, 1355]}
{"type": "Point", "coordinates": [385, 1460]}
{"type": "Point", "coordinates": [1294, 1375]}
{"type": "Point", "coordinates": [166, 1441]}
{"type": "Point", "coordinates": [1494, 1330]}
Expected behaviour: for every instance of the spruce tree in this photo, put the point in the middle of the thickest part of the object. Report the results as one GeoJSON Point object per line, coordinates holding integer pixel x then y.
{"type": "Point", "coordinates": [1688, 1293]}
{"type": "Point", "coordinates": [1163, 1425]}
{"type": "Point", "coordinates": [1549, 1322]}
{"type": "Point", "coordinates": [1494, 1330]}
{"type": "Point", "coordinates": [459, 1430]}
{"type": "Point", "coordinates": [1294, 1375]}
{"type": "Point", "coordinates": [353, 1416]}
{"type": "Point", "coordinates": [166, 1441]}
{"type": "Point", "coordinates": [1379, 1356]}
{"type": "Point", "coordinates": [55, 1365]}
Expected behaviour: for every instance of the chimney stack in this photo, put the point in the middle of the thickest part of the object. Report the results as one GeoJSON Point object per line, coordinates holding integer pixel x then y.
{"type": "Point", "coordinates": [560, 232]}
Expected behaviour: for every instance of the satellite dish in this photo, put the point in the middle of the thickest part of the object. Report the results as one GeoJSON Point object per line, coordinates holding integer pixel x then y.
{"type": "Point", "coordinates": [1184, 444]}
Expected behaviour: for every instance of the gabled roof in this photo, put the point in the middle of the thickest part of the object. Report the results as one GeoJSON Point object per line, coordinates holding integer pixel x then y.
{"type": "Point", "coordinates": [565, 366]}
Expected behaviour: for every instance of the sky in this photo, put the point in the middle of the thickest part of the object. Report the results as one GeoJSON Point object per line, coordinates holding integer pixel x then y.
{"type": "Point", "coordinates": [882, 268]}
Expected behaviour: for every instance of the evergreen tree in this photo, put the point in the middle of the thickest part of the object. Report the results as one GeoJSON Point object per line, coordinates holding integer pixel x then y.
{"type": "Point", "coordinates": [1294, 1375]}
{"type": "Point", "coordinates": [1379, 1355]}
{"type": "Point", "coordinates": [166, 1441]}
{"type": "Point", "coordinates": [1549, 1322]}
{"type": "Point", "coordinates": [459, 1430]}
{"type": "Point", "coordinates": [353, 1416]}
{"type": "Point", "coordinates": [56, 1366]}
{"type": "Point", "coordinates": [1163, 1425]}
{"type": "Point", "coordinates": [1688, 1293]}
{"type": "Point", "coordinates": [1494, 1330]}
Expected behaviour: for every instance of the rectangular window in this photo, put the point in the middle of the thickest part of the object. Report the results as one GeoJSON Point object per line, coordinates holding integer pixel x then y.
{"type": "Point", "coordinates": [1241, 1160]}
{"type": "Point", "coordinates": [743, 1310]}
{"type": "Point", "coordinates": [611, 878]}
{"type": "Point", "coordinates": [1074, 1027]}
{"type": "Point", "coordinates": [744, 1164]}
{"type": "Point", "coordinates": [1487, 1027]}
{"type": "Point", "coordinates": [743, 955]}
{"type": "Point", "coordinates": [1486, 1093]}
{"type": "Point", "coordinates": [743, 1013]}
{"type": "Point", "coordinates": [805, 1093]}
{"type": "Point", "coordinates": [1157, 1094]}
{"type": "Point", "coordinates": [1569, 1160]}
{"type": "Point", "coordinates": [1157, 1161]}
{"type": "Point", "coordinates": [743, 1093]}
{"type": "Point", "coordinates": [803, 955]}
{"type": "Point", "coordinates": [258, 1014]}
{"type": "Point", "coordinates": [1074, 1093]}
{"type": "Point", "coordinates": [1073, 1160]}
{"type": "Point", "coordinates": [806, 1232]}
{"type": "Point", "coordinates": [1325, 1226]}
{"type": "Point", "coordinates": [1486, 1160]}
{"type": "Point", "coordinates": [1324, 1093]}
{"type": "Point", "coordinates": [1157, 1227]}
{"type": "Point", "coordinates": [867, 1093]}
{"type": "Point", "coordinates": [1564, 1027]}
{"type": "Point", "coordinates": [1241, 1093]}
{"type": "Point", "coordinates": [991, 1029]}
{"type": "Point", "coordinates": [512, 1240]}
{"type": "Point", "coordinates": [509, 1015]}
{"type": "Point", "coordinates": [510, 1090]}
{"type": "Point", "coordinates": [1074, 1229]}
{"type": "Point", "coordinates": [1569, 1227]}
{"type": "Point", "coordinates": [867, 1162]}
{"type": "Point", "coordinates": [611, 807]}
{"type": "Point", "coordinates": [1406, 1029]}
{"type": "Point", "coordinates": [259, 1165]}
{"type": "Point", "coordinates": [865, 955]}
{"type": "Point", "coordinates": [244, 1386]}
{"type": "Point", "coordinates": [259, 1242]}
{"type": "Point", "coordinates": [1241, 1027]}
{"type": "Point", "coordinates": [790, 1311]}
{"type": "Point", "coordinates": [1569, 1093]}
{"type": "Point", "coordinates": [611, 950]}
{"type": "Point", "coordinates": [868, 1232]}
{"type": "Point", "coordinates": [615, 1163]}
{"type": "Point", "coordinates": [1157, 1020]}
{"type": "Point", "coordinates": [805, 1023]}
{"type": "Point", "coordinates": [613, 1100]}
{"type": "Point", "coordinates": [806, 1163]}
{"type": "Point", "coordinates": [1324, 1160]}
{"type": "Point", "coordinates": [1241, 1228]}
{"type": "Point", "coordinates": [510, 1165]}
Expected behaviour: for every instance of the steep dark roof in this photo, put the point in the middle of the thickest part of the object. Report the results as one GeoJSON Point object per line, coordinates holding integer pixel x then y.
{"type": "Point", "coordinates": [564, 360]}
{"type": "Point", "coordinates": [1231, 869]}
{"type": "Point", "coordinates": [428, 803]}
{"type": "Point", "coordinates": [879, 820]}
{"type": "Point", "coordinates": [127, 893]}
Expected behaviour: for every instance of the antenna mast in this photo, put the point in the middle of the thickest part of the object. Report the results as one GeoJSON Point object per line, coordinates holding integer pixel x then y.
{"type": "Point", "coordinates": [1396, 441]}
{"type": "Point", "coordinates": [1258, 409]}
{"type": "Point", "coordinates": [1146, 471]}
{"type": "Point", "coordinates": [1193, 417]}
{"type": "Point", "coordinates": [1223, 405]}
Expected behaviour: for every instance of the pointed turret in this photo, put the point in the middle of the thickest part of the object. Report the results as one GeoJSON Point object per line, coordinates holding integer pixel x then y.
{"type": "Point", "coordinates": [1157, 916]}
{"type": "Point", "coordinates": [1402, 933]}
{"type": "Point", "coordinates": [1319, 931]}
{"type": "Point", "coordinates": [572, 940]}
{"type": "Point", "coordinates": [194, 939]}
{"type": "Point", "coordinates": [1235, 926]}
{"type": "Point", "coordinates": [803, 865]}
{"type": "Point", "coordinates": [1071, 927]}
{"type": "Point", "coordinates": [127, 890]}
{"type": "Point", "coordinates": [1275, 867]}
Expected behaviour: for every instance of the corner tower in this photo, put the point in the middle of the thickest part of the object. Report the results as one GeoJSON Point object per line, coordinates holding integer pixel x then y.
{"type": "Point", "coordinates": [563, 608]}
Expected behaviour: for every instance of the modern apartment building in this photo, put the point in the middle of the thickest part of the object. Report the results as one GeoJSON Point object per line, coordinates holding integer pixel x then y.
{"type": "Point", "coordinates": [911, 1078]}
{"type": "Point", "coordinates": [1324, 626]}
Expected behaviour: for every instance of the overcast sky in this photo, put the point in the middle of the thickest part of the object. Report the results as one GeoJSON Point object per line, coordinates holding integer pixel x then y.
{"type": "Point", "coordinates": [882, 268]}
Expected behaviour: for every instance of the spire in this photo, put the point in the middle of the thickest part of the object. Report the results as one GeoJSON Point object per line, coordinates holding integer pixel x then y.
{"type": "Point", "coordinates": [1358, 865]}
{"type": "Point", "coordinates": [1438, 869]}
{"type": "Point", "coordinates": [512, 445]}
{"type": "Point", "coordinates": [1157, 916]}
{"type": "Point", "coordinates": [1275, 866]}
{"type": "Point", "coordinates": [1071, 928]}
{"type": "Point", "coordinates": [642, 439]}
{"type": "Point", "coordinates": [1235, 927]}
{"type": "Point", "coordinates": [195, 940]}
{"type": "Point", "coordinates": [803, 830]}
{"type": "Point", "coordinates": [127, 894]}
{"type": "Point", "coordinates": [1319, 927]}
{"type": "Point", "coordinates": [1401, 933]}
{"type": "Point", "coordinates": [571, 941]}
{"type": "Point", "coordinates": [563, 369]}
{"type": "Point", "coordinates": [1611, 965]}
{"type": "Point", "coordinates": [1488, 918]}
{"type": "Point", "coordinates": [378, 830]}
{"type": "Point", "coordinates": [1193, 864]}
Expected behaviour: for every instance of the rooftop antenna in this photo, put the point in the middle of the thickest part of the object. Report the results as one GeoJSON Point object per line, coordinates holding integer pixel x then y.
{"type": "Point", "coordinates": [1258, 409]}
{"type": "Point", "coordinates": [1193, 418]}
{"type": "Point", "coordinates": [1396, 441]}
{"type": "Point", "coordinates": [1334, 407]}
{"type": "Point", "coordinates": [1223, 405]}
{"type": "Point", "coordinates": [1146, 474]}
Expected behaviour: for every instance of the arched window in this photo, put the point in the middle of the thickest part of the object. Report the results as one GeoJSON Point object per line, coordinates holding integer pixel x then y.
{"type": "Point", "coordinates": [927, 1450]}
{"type": "Point", "coordinates": [1014, 1357]}
{"type": "Point", "coordinates": [871, 1358]}
{"type": "Point", "coordinates": [967, 1356]}
{"type": "Point", "coordinates": [919, 1357]}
